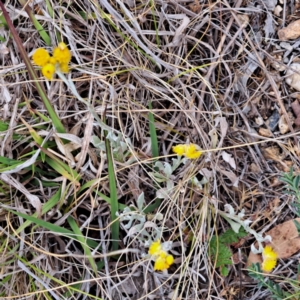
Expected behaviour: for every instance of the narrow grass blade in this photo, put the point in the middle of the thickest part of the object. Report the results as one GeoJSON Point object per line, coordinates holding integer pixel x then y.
{"type": "Point", "coordinates": [40, 89]}
{"type": "Point", "coordinates": [37, 138]}
{"type": "Point", "coordinates": [115, 226]}
{"type": "Point", "coordinates": [61, 167]}
{"type": "Point", "coordinates": [153, 135]}
{"type": "Point", "coordinates": [82, 240]}
{"type": "Point", "coordinates": [109, 19]}
{"type": "Point", "coordinates": [155, 23]}
{"type": "Point", "coordinates": [155, 153]}
{"type": "Point", "coordinates": [53, 228]}
{"type": "Point", "coordinates": [44, 35]}
{"type": "Point", "coordinates": [7, 164]}
{"type": "Point", "coordinates": [46, 207]}
{"type": "Point", "coordinates": [64, 170]}
{"type": "Point", "coordinates": [51, 13]}
{"type": "Point", "coordinates": [18, 167]}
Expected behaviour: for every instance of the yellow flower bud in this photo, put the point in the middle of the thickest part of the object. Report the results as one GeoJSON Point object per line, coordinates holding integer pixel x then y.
{"type": "Point", "coordinates": [48, 70]}
{"type": "Point", "coordinates": [170, 260]}
{"type": "Point", "coordinates": [179, 149]}
{"type": "Point", "coordinates": [155, 248]}
{"type": "Point", "coordinates": [52, 60]}
{"type": "Point", "coordinates": [64, 68]}
{"type": "Point", "coordinates": [62, 54]}
{"type": "Point", "coordinates": [41, 57]}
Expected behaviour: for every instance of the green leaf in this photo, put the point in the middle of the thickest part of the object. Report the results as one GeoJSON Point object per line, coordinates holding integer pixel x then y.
{"type": "Point", "coordinates": [230, 236]}
{"type": "Point", "coordinates": [53, 228]}
{"type": "Point", "coordinates": [44, 35]}
{"type": "Point", "coordinates": [153, 135]}
{"type": "Point", "coordinates": [46, 207]}
{"type": "Point", "coordinates": [296, 181]}
{"type": "Point", "coordinates": [219, 251]}
{"type": "Point", "coordinates": [224, 271]}
{"type": "Point", "coordinates": [83, 241]}
{"type": "Point", "coordinates": [115, 225]}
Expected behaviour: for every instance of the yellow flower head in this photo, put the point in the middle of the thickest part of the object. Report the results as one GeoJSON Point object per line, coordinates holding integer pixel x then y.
{"type": "Point", "coordinates": [52, 60]}
{"type": "Point", "coordinates": [169, 260]}
{"type": "Point", "coordinates": [268, 265]}
{"type": "Point", "coordinates": [41, 57]}
{"type": "Point", "coordinates": [155, 248]}
{"type": "Point", "coordinates": [64, 68]}
{"type": "Point", "coordinates": [162, 259]}
{"type": "Point", "coordinates": [269, 259]}
{"type": "Point", "coordinates": [191, 151]}
{"type": "Point", "coordinates": [62, 54]}
{"type": "Point", "coordinates": [269, 253]}
{"type": "Point", "coordinates": [48, 70]}
{"type": "Point", "coordinates": [179, 149]}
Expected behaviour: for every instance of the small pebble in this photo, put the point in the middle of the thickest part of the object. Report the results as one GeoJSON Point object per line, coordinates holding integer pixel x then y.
{"type": "Point", "coordinates": [265, 132]}
{"type": "Point", "coordinates": [291, 32]}
{"type": "Point", "coordinates": [293, 78]}
{"type": "Point", "coordinates": [273, 120]}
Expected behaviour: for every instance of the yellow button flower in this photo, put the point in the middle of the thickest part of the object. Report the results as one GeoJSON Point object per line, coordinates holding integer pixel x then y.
{"type": "Point", "coordinates": [64, 68]}
{"type": "Point", "coordinates": [155, 248]}
{"type": "Point", "coordinates": [268, 265]}
{"type": "Point", "coordinates": [169, 260]}
{"type": "Point", "coordinates": [269, 259]}
{"type": "Point", "coordinates": [191, 151]}
{"type": "Point", "coordinates": [52, 60]}
{"type": "Point", "coordinates": [179, 149]}
{"type": "Point", "coordinates": [41, 57]}
{"type": "Point", "coordinates": [58, 62]}
{"type": "Point", "coordinates": [162, 259]}
{"type": "Point", "coordinates": [62, 54]}
{"type": "Point", "coordinates": [48, 70]}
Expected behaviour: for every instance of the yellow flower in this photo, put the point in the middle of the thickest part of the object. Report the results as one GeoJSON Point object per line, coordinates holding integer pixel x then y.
{"type": "Point", "coordinates": [41, 57]}
{"type": "Point", "coordinates": [169, 259]}
{"type": "Point", "coordinates": [162, 259]}
{"type": "Point", "coordinates": [191, 151]}
{"type": "Point", "coordinates": [268, 265]}
{"type": "Point", "coordinates": [48, 70]}
{"type": "Point", "coordinates": [62, 54]}
{"type": "Point", "coordinates": [269, 259]}
{"type": "Point", "coordinates": [52, 60]}
{"type": "Point", "coordinates": [179, 149]}
{"type": "Point", "coordinates": [155, 248]}
{"type": "Point", "coordinates": [269, 253]}
{"type": "Point", "coordinates": [64, 68]}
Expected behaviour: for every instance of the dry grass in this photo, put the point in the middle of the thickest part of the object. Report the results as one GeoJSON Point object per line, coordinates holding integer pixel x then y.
{"type": "Point", "coordinates": [188, 61]}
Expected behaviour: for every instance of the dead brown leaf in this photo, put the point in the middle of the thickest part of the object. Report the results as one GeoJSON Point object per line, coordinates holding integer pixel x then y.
{"type": "Point", "coordinates": [265, 132]}
{"type": "Point", "coordinates": [272, 153]}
